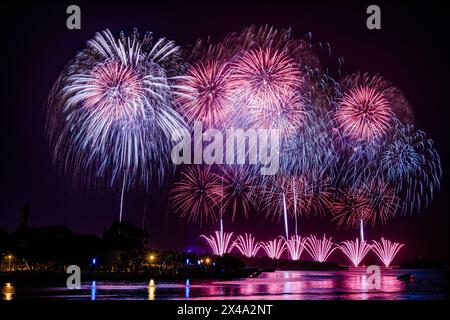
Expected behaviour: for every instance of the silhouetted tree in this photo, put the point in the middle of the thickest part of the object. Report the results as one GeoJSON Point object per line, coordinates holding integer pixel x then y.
{"type": "Point", "coordinates": [125, 244]}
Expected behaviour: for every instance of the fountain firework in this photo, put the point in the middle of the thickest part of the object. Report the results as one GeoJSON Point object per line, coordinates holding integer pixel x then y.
{"type": "Point", "coordinates": [295, 246]}
{"type": "Point", "coordinates": [220, 242]}
{"type": "Point", "coordinates": [319, 249]}
{"type": "Point", "coordinates": [386, 250]}
{"type": "Point", "coordinates": [274, 248]}
{"type": "Point", "coordinates": [246, 245]}
{"type": "Point", "coordinates": [355, 250]}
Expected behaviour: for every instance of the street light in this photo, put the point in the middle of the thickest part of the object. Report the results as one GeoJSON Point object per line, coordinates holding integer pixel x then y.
{"type": "Point", "coordinates": [9, 262]}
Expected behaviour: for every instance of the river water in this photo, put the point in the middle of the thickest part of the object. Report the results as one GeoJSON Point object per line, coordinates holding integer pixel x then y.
{"type": "Point", "coordinates": [280, 285]}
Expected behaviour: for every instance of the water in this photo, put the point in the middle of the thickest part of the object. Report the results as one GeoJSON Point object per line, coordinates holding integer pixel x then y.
{"type": "Point", "coordinates": [280, 285]}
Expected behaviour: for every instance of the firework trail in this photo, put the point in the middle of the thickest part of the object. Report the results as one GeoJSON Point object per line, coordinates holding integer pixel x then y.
{"type": "Point", "coordinates": [198, 194]}
{"type": "Point", "coordinates": [411, 164]}
{"type": "Point", "coordinates": [220, 242]}
{"type": "Point", "coordinates": [295, 246]}
{"type": "Point", "coordinates": [355, 250]}
{"type": "Point", "coordinates": [319, 249]}
{"type": "Point", "coordinates": [109, 114]}
{"type": "Point", "coordinates": [386, 250]}
{"type": "Point", "coordinates": [274, 248]}
{"type": "Point", "coordinates": [282, 195]}
{"type": "Point", "coordinates": [246, 245]}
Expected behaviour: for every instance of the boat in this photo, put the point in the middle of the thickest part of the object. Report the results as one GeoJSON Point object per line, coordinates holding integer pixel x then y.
{"type": "Point", "coordinates": [405, 277]}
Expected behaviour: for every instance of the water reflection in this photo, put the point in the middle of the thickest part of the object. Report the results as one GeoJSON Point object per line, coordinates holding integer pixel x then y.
{"type": "Point", "coordinates": [187, 289]}
{"type": "Point", "coordinates": [151, 290]}
{"type": "Point", "coordinates": [298, 285]}
{"type": "Point", "coordinates": [93, 290]}
{"type": "Point", "coordinates": [8, 291]}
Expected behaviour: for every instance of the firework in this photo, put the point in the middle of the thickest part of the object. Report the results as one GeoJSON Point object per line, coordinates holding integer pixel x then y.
{"type": "Point", "coordinates": [198, 194]}
{"type": "Point", "coordinates": [319, 249]}
{"type": "Point", "coordinates": [386, 250]}
{"type": "Point", "coordinates": [350, 207]}
{"type": "Point", "coordinates": [109, 114]}
{"type": "Point", "coordinates": [412, 165]}
{"type": "Point", "coordinates": [263, 76]}
{"type": "Point", "coordinates": [239, 190]}
{"type": "Point", "coordinates": [310, 151]}
{"type": "Point", "coordinates": [383, 202]}
{"type": "Point", "coordinates": [285, 192]}
{"type": "Point", "coordinates": [286, 114]}
{"type": "Point", "coordinates": [204, 93]}
{"type": "Point", "coordinates": [274, 248]}
{"type": "Point", "coordinates": [364, 113]}
{"type": "Point", "coordinates": [295, 246]}
{"type": "Point", "coordinates": [246, 245]}
{"type": "Point", "coordinates": [220, 242]}
{"type": "Point", "coordinates": [355, 250]}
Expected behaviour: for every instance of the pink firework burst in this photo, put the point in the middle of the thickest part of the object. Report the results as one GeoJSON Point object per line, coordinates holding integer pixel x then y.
{"type": "Point", "coordinates": [197, 194]}
{"type": "Point", "coordinates": [261, 77]}
{"type": "Point", "coordinates": [114, 92]}
{"type": "Point", "coordinates": [204, 93]}
{"type": "Point", "coordinates": [350, 207]}
{"type": "Point", "coordinates": [364, 114]}
{"type": "Point", "coordinates": [246, 245]}
{"type": "Point", "coordinates": [286, 114]}
{"type": "Point", "coordinates": [355, 250]}
{"type": "Point", "coordinates": [274, 248]}
{"type": "Point", "coordinates": [319, 249]}
{"type": "Point", "coordinates": [386, 250]}
{"type": "Point", "coordinates": [383, 201]}
{"type": "Point", "coordinates": [219, 242]}
{"type": "Point", "coordinates": [239, 190]}
{"type": "Point", "coordinates": [295, 246]}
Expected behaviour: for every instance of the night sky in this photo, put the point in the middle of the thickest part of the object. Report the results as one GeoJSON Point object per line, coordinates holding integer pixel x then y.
{"type": "Point", "coordinates": [409, 51]}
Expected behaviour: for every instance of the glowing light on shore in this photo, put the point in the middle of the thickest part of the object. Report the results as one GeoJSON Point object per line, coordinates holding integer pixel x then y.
{"type": "Point", "coordinates": [219, 242]}
{"type": "Point", "coordinates": [274, 248]}
{"type": "Point", "coordinates": [246, 245]}
{"type": "Point", "coordinates": [319, 249]}
{"type": "Point", "coordinates": [355, 250]}
{"type": "Point", "coordinates": [386, 250]}
{"type": "Point", "coordinates": [295, 246]}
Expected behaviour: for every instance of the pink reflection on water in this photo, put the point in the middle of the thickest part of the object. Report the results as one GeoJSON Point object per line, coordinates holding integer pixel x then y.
{"type": "Point", "coordinates": [345, 284]}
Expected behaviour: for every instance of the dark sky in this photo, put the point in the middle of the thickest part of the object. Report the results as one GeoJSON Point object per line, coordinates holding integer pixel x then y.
{"type": "Point", "coordinates": [409, 51]}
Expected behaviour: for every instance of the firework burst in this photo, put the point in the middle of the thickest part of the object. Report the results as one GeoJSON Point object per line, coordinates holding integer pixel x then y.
{"type": "Point", "coordinates": [412, 165]}
{"type": "Point", "coordinates": [263, 76]}
{"type": "Point", "coordinates": [239, 190]}
{"type": "Point", "coordinates": [198, 194]}
{"type": "Point", "coordinates": [204, 93]}
{"type": "Point", "coordinates": [350, 207]}
{"type": "Point", "coordinates": [364, 114]}
{"type": "Point", "coordinates": [109, 114]}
